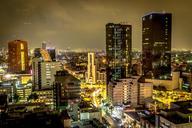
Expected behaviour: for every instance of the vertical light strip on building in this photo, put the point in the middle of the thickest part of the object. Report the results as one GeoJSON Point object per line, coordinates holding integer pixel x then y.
{"type": "Point", "coordinates": [22, 57]}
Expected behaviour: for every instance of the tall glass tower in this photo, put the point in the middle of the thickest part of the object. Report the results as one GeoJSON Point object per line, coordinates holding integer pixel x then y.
{"type": "Point", "coordinates": [118, 51]}
{"type": "Point", "coordinates": [156, 45]}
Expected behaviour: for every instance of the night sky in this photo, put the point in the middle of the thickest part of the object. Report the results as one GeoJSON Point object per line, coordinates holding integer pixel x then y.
{"type": "Point", "coordinates": [81, 23]}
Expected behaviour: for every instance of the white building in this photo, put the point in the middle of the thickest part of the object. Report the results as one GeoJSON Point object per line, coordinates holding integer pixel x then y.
{"type": "Point", "coordinates": [44, 72]}
{"type": "Point", "coordinates": [45, 96]}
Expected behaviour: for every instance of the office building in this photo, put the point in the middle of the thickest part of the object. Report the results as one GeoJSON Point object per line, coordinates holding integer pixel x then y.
{"type": "Point", "coordinates": [23, 93]}
{"type": "Point", "coordinates": [156, 45]}
{"type": "Point", "coordinates": [118, 51]}
{"type": "Point", "coordinates": [45, 96]}
{"type": "Point", "coordinates": [44, 72]}
{"type": "Point", "coordinates": [18, 57]}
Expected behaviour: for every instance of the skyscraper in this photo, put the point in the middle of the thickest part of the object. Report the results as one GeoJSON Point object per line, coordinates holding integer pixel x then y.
{"type": "Point", "coordinates": [156, 45]}
{"type": "Point", "coordinates": [91, 69]}
{"type": "Point", "coordinates": [18, 57]}
{"type": "Point", "coordinates": [118, 50]}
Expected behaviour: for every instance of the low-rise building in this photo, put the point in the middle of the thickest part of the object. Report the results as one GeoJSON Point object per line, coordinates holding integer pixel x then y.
{"type": "Point", "coordinates": [89, 114]}
{"type": "Point", "coordinates": [180, 116]}
{"type": "Point", "coordinates": [139, 119]}
{"type": "Point", "coordinates": [45, 96]}
{"type": "Point", "coordinates": [23, 93]}
{"type": "Point", "coordinates": [174, 83]}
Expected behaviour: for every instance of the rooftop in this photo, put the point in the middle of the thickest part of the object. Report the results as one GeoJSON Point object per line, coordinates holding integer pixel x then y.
{"type": "Point", "coordinates": [175, 118]}
{"type": "Point", "coordinates": [134, 115]}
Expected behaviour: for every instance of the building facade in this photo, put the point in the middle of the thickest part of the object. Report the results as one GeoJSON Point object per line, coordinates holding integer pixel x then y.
{"type": "Point", "coordinates": [43, 73]}
{"type": "Point", "coordinates": [156, 45]}
{"type": "Point", "coordinates": [129, 91]}
{"type": "Point", "coordinates": [118, 51]}
{"type": "Point", "coordinates": [18, 57]}
{"type": "Point", "coordinates": [66, 89]}
{"type": "Point", "coordinates": [101, 76]}
{"type": "Point", "coordinates": [91, 69]}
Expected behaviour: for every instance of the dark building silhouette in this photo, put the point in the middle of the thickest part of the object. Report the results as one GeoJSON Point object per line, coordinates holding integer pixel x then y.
{"type": "Point", "coordinates": [118, 50]}
{"type": "Point", "coordinates": [52, 53]}
{"type": "Point", "coordinates": [18, 57]}
{"type": "Point", "coordinates": [156, 45]}
{"type": "Point", "coordinates": [66, 89]}
{"type": "Point", "coordinates": [44, 46]}
{"type": "Point", "coordinates": [3, 102]}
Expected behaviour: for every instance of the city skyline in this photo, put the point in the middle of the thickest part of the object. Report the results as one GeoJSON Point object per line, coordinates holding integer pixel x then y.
{"type": "Point", "coordinates": [81, 24]}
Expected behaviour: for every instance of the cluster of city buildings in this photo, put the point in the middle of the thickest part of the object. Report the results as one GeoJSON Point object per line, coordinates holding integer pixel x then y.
{"type": "Point", "coordinates": [124, 88]}
{"type": "Point", "coordinates": [131, 88]}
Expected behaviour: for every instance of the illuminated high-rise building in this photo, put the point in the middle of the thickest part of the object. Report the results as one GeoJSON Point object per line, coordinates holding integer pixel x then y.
{"type": "Point", "coordinates": [118, 51]}
{"type": "Point", "coordinates": [156, 45]}
{"type": "Point", "coordinates": [91, 69]}
{"type": "Point", "coordinates": [18, 57]}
